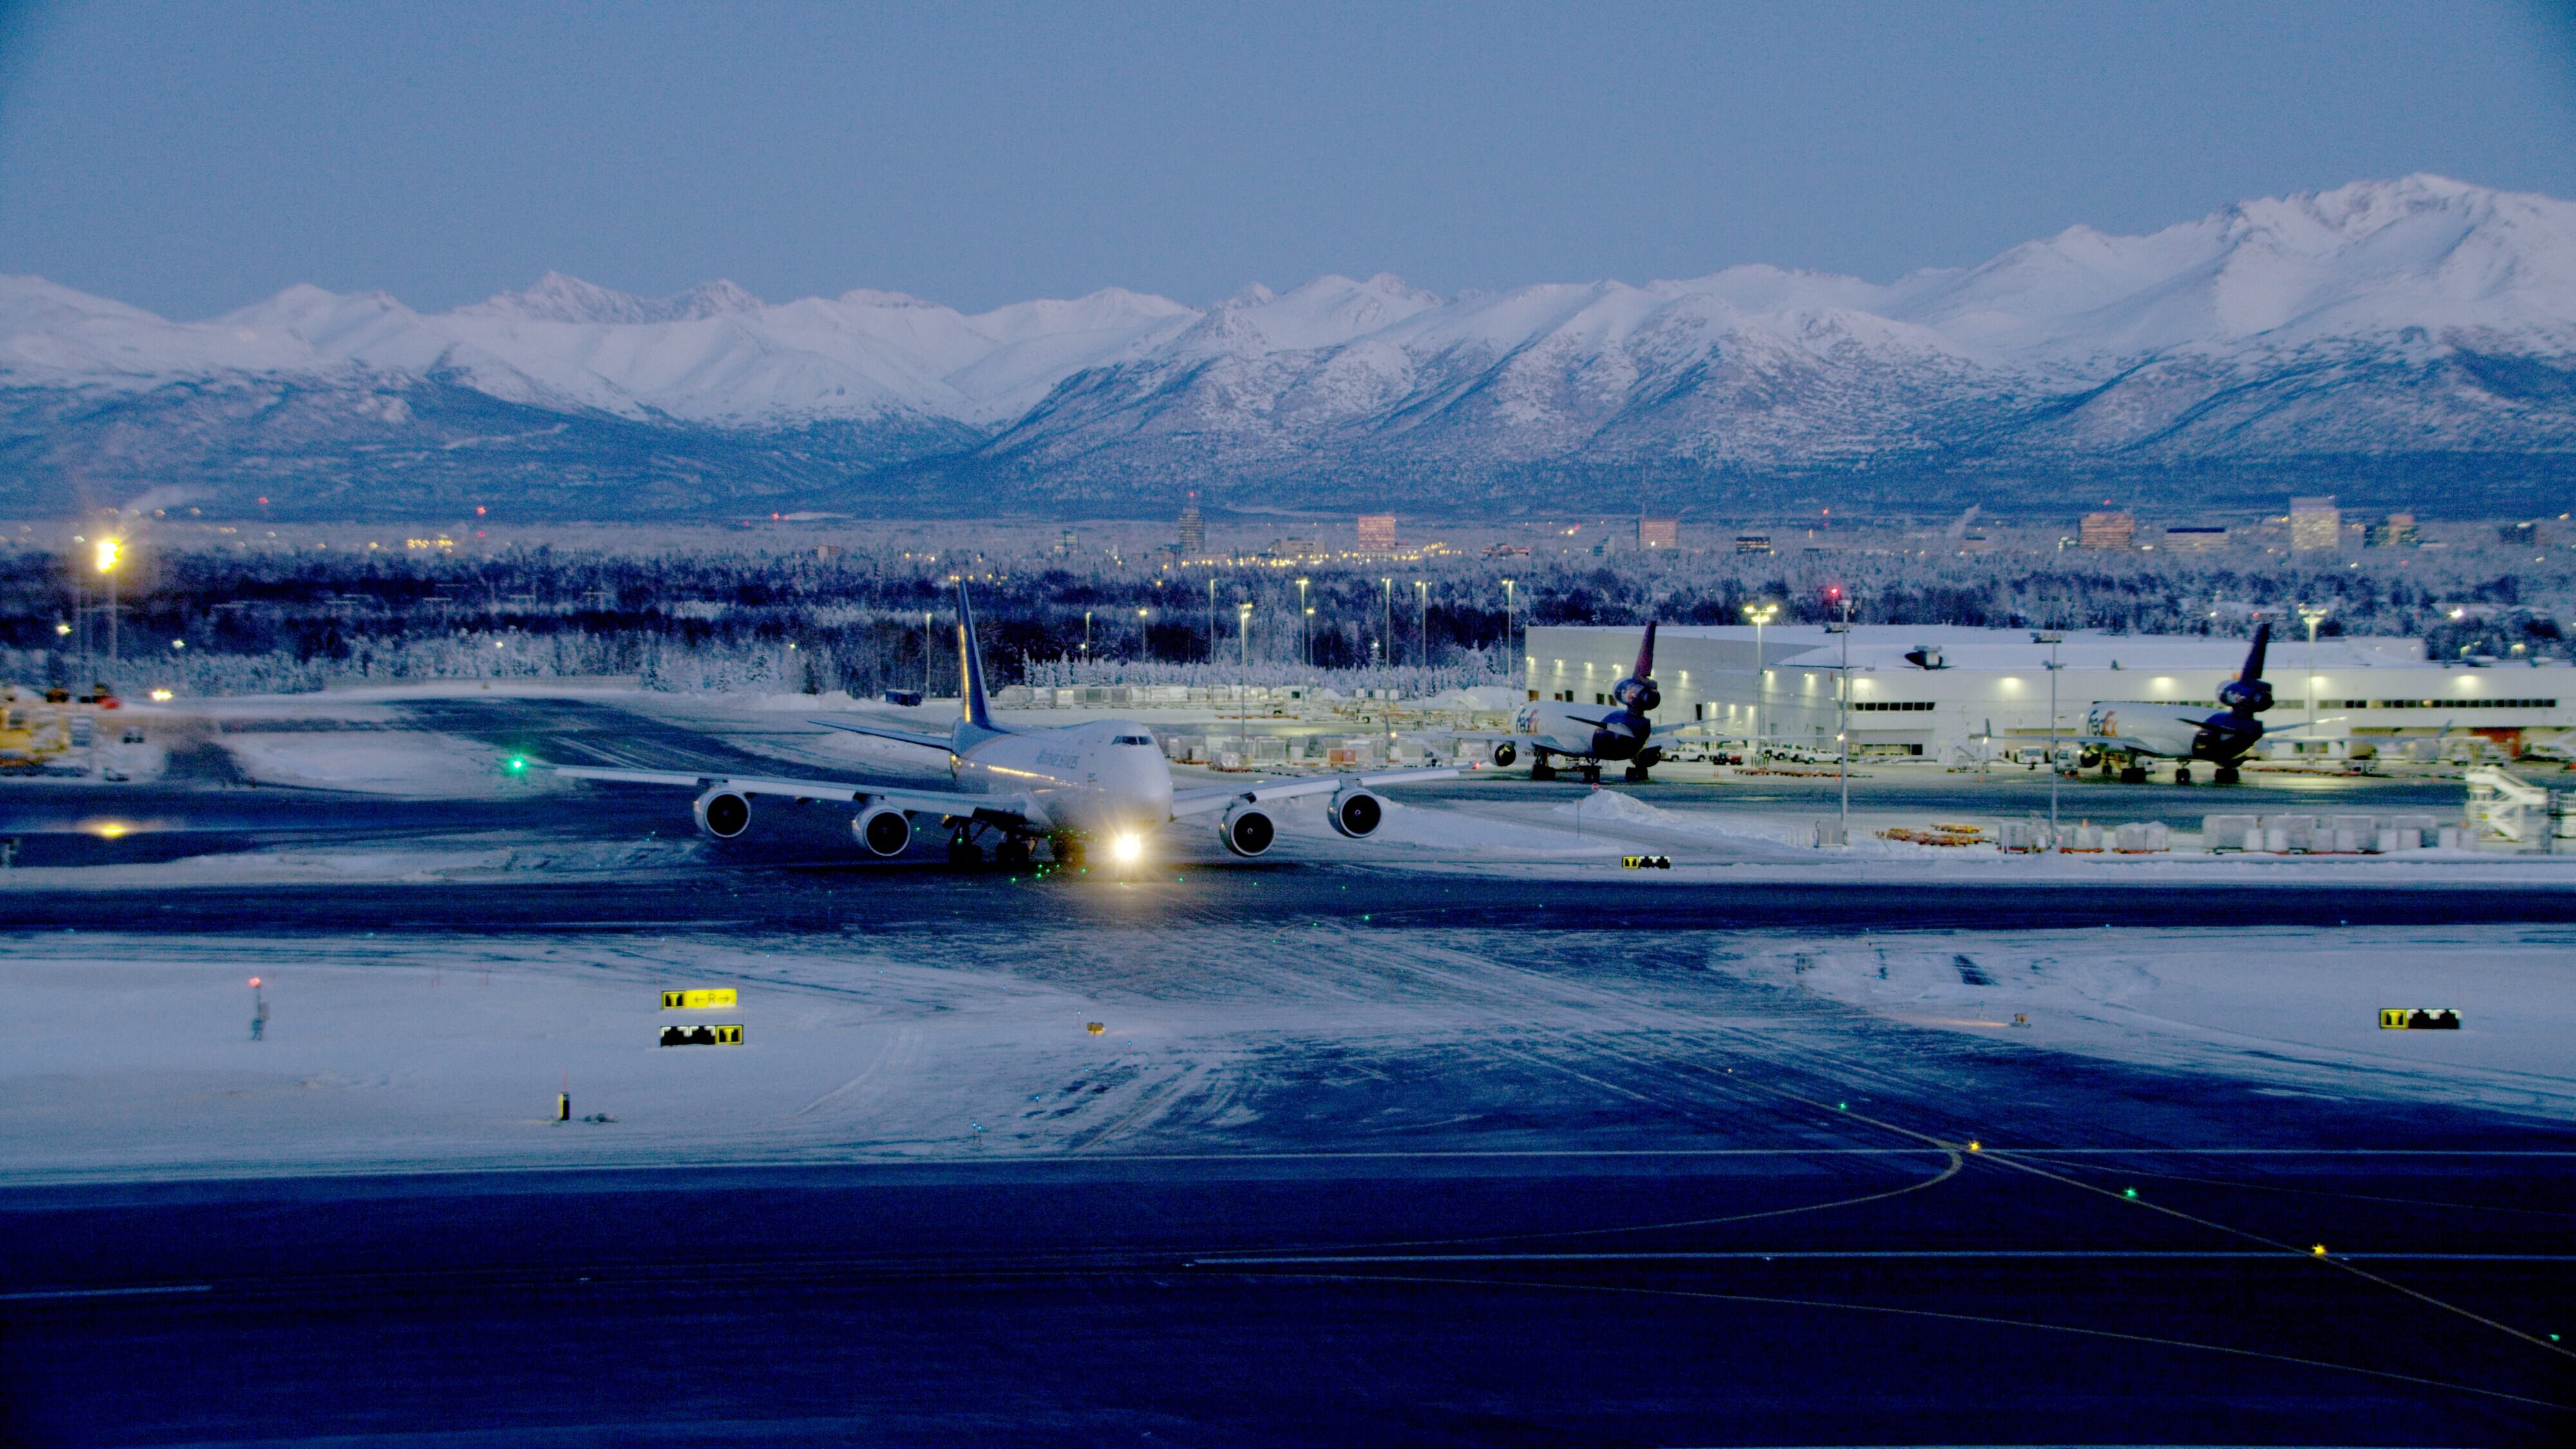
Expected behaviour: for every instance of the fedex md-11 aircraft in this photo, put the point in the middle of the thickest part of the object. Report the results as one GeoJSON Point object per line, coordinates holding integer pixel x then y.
{"type": "Point", "coordinates": [1586, 734]}
{"type": "Point", "coordinates": [2183, 734]}
{"type": "Point", "coordinates": [1103, 781]}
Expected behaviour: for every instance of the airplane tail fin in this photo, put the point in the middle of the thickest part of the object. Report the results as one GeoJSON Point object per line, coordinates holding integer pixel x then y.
{"type": "Point", "coordinates": [970, 667]}
{"type": "Point", "coordinates": [2254, 656]}
{"type": "Point", "coordinates": [1646, 655]}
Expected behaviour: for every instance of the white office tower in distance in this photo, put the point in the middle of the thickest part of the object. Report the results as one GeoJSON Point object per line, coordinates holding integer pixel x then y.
{"type": "Point", "coordinates": [2316, 525]}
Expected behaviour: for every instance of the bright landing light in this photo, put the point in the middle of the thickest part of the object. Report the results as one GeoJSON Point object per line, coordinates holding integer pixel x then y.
{"type": "Point", "coordinates": [1127, 849]}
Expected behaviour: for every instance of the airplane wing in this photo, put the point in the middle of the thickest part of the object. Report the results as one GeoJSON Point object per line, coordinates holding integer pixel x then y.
{"type": "Point", "coordinates": [941, 743]}
{"type": "Point", "coordinates": [922, 802]}
{"type": "Point", "coordinates": [1200, 802]}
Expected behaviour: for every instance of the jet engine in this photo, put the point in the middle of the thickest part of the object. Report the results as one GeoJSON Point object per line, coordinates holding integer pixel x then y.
{"type": "Point", "coordinates": [722, 813]}
{"type": "Point", "coordinates": [1246, 830]}
{"type": "Point", "coordinates": [885, 831]}
{"type": "Point", "coordinates": [1356, 813]}
{"type": "Point", "coordinates": [1504, 754]}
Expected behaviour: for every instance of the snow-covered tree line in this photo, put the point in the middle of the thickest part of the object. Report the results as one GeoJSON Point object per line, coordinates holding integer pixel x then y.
{"type": "Point", "coordinates": [217, 622]}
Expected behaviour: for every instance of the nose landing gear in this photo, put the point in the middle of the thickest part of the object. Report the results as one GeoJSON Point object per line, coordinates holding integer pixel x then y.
{"type": "Point", "coordinates": [2182, 774]}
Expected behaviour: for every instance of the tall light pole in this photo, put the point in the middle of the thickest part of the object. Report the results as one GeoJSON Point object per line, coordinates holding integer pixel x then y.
{"type": "Point", "coordinates": [1388, 587]}
{"type": "Point", "coordinates": [1508, 645]}
{"type": "Point", "coordinates": [1305, 627]}
{"type": "Point", "coordinates": [1422, 618]}
{"type": "Point", "coordinates": [929, 653]}
{"type": "Point", "coordinates": [111, 551]}
{"type": "Point", "coordinates": [1760, 614]}
{"type": "Point", "coordinates": [2314, 614]}
{"type": "Point", "coordinates": [1144, 636]}
{"type": "Point", "coordinates": [1086, 636]}
{"type": "Point", "coordinates": [2052, 638]}
{"type": "Point", "coordinates": [1842, 723]}
{"type": "Point", "coordinates": [1211, 618]}
{"type": "Point", "coordinates": [1243, 701]}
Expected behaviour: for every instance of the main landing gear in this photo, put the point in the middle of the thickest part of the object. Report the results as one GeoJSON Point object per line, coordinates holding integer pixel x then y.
{"type": "Point", "coordinates": [2133, 774]}
{"type": "Point", "coordinates": [1636, 775]}
{"type": "Point", "coordinates": [1592, 772]}
{"type": "Point", "coordinates": [2182, 774]}
{"type": "Point", "coordinates": [1013, 852]}
{"type": "Point", "coordinates": [2224, 774]}
{"type": "Point", "coordinates": [1540, 769]}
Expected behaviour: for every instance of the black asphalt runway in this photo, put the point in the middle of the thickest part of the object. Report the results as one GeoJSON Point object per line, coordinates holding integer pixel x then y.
{"type": "Point", "coordinates": [1889, 1287]}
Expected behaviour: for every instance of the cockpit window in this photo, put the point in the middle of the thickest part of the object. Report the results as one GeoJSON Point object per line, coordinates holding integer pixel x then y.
{"type": "Point", "coordinates": [1133, 740]}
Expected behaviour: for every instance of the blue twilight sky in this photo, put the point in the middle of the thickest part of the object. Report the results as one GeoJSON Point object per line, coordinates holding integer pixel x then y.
{"type": "Point", "coordinates": [191, 158]}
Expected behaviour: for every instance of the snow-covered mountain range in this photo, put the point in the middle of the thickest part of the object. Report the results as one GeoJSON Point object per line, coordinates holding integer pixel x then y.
{"type": "Point", "coordinates": [2381, 332]}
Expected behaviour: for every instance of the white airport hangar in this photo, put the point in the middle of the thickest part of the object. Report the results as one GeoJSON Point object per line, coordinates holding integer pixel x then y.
{"type": "Point", "coordinates": [1936, 692]}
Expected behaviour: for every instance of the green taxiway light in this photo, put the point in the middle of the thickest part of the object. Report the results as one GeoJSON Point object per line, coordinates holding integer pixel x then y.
{"type": "Point", "coordinates": [2129, 1192]}
{"type": "Point", "coordinates": [518, 764]}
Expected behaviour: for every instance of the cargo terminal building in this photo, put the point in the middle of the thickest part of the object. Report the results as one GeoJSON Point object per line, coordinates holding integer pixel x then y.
{"type": "Point", "coordinates": [1937, 692]}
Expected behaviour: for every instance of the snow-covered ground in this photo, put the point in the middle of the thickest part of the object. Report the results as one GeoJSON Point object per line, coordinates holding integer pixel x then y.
{"type": "Point", "coordinates": [2299, 1008]}
{"type": "Point", "coordinates": [416, 763]}
{"type": "Point", "coordinates": [133, 1055]}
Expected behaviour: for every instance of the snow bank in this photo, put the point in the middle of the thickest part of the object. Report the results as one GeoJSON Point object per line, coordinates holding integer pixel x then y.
{"type": "Point", "coordinates": [386, 762]}
{"type": "Point", "coordinates": [2296, 1007]}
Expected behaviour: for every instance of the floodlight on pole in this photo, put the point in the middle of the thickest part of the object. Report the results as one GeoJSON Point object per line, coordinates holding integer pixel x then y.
{"type": "Point", "coordinates": [1305, 627]}
{"type": "Point", "coordinates": [1760, 614]}
{"type": "Point", "coordinates": [2052, 638]}
{"type": "Point", "coordinates": [2313, 615]}
{"type": "Point", "coordinates": [111, 552]}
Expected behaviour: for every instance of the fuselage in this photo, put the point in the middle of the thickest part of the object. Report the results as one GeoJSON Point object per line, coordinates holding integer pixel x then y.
{"type": "Point", "coordinates": [1102, 778]}
{"type": "Point", "coordinates": [1598, 731]}
{"type": "Point", "coordinates": [2174, 732]}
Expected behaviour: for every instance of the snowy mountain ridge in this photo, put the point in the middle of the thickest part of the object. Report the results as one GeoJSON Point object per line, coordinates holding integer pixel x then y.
{"type": "Point", "coordinates": [2379, 318]}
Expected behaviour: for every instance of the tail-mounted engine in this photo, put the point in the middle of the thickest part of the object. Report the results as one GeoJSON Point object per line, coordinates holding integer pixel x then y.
{"type": "Point", "coordinates": [1246, 830]}
{"type": "Point", "coordinates": [1356, 813]}
{"type": "Point", "coordinates": [885, 831]}
{"type": "Point", "coordinates": [722, 813]}
{"type": "Point", "coordinates": [2246, 696]}
{"type": "Point", "coordinates": [1636, 694]}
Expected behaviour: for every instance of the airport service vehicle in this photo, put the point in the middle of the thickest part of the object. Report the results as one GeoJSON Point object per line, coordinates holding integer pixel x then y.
{"type": "Point", "coordinates": [2144, 729]}
{"type": "Point", "coordinates": [1103, 781]}
{"type": "Point", "coordinates": [1586, 734]}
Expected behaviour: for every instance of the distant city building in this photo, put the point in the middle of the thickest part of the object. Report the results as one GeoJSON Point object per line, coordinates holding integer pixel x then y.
{"type": "Point", "coordinates": [2195, 538]}
{"type": "Point", "coordinates": [1377, 533]}
{"type": "Point", "coordinates": [2527, 535]}
{"type": "Point", "coordinates": [1297, 548]}
{"type": "Point", "coordinates": [1753, 543]}
{"type": "Point", "coordinates": [1659, 533]}
{"type": "Point", "coordinates": [2316, 526]}
{"type": "Point", "coordinates": [2108, 530]}
{"type": "Point", "coordinates": [2397, 530]}
{"type": "Point", "coordinates": [1064, 542]}
{"type": "Point", "coordinates": [1193, 529]}
{"type": "Point", "coordinates": [1507, 550]}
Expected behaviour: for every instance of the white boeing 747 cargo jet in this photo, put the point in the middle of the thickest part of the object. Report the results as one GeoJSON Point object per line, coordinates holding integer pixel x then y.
{"type": "Point", "coordinates": [1104, 781]}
